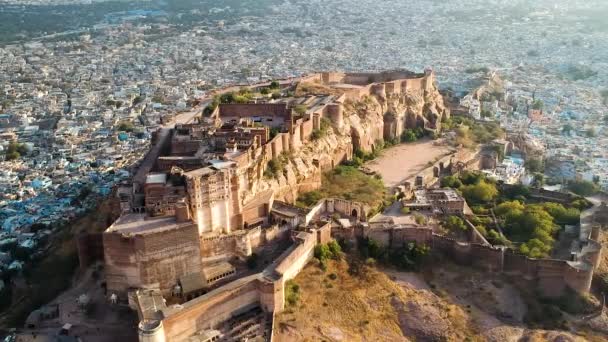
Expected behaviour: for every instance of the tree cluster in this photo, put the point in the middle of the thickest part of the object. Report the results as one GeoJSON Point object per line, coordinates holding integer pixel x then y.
{"type": "Point", "coordinates": [481, 192]}
{"type": "Point", "coordinates": [455, 223]}
{"type": "Point", "coordinates": [409, 257]}
{"type": "Point", "coordinates": [15, 150]}
{"type": "Point", "coordinates": [535, 224]}
{"type": "Point", "coordinates": [324, 252]}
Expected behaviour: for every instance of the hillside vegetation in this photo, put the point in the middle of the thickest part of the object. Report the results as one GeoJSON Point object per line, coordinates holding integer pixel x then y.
{"type": "Point", "coordinates": [347, 182]}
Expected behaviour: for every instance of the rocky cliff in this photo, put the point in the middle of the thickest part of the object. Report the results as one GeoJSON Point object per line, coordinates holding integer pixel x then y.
{"type": "Point", "coordinates": [367, 122]}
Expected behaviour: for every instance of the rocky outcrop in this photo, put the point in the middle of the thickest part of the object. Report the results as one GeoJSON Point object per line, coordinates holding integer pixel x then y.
{"type": "Point", "coordinates": [302, 170]}
{"type": "Point", "coordinates": [368, 120]}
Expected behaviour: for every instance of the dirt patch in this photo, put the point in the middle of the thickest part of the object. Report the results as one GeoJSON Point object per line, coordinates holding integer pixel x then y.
{"type": "Point", "coordinates": [366, 308]}
{"type": "Point", "coordinates": [403, 161]}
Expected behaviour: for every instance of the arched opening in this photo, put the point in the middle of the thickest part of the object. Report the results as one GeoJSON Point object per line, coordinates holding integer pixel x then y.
{"type": "Point", "coordinates": [436, 171]}
{"type": "Point", "coordinates": [354, 213]}
{"type": "Point", "coordinates": [246, 226]}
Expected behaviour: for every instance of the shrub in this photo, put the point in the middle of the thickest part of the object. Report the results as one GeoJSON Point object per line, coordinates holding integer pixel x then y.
{"type": "Point", "coordinates": [292, 293]}
{"type": "Point", "coordinates": [310, 198]}
{"type": "Point", "coordinates": [322, 252]}
{"type": "Point", "coordinates": [335, 249]}
{"type": "Point", "coordinates": [276, 166]}
{"type": "Point", "coordinates": [125, 126]}
{"type": "Point", "coordinates": [322, 131]}
{"type": "Point", "coordinates": [405, 210]}
{"type": "Point", "coordinates": [408, 136]}
{"type": "Point", "coordinates": [409, 257]}
{"type": "Point", "coordinates": [420, 219]}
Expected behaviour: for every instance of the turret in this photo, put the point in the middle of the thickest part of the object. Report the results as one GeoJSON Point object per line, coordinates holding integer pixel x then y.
{"type": "Point", "coordinates": [336, 114]}
{"type": "Point", "coordinates": [151, 331]}
{"type": "Point", "coordinates": [379, 90]}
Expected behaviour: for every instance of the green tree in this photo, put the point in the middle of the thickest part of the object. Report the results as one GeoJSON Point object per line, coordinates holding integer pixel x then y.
{"type": "Point", "coordinates": [534, 165]}
{"type": "Point", "coordinates": [455, 223]}
{"type": "Point", "coordinates": [419, 218]}
{"type": "Point", "coordinates": [322, 252]}
{"type": "Point", "coordinates": [408, 136]}
{"type": "Point", "coordinates": [482, 192]}
{"type": "Point", "coordinates": [561, 214]}
{"type": "Point", "coordinates": [509, 208]}
{"type": "Point", "coordinates": [539, 179]}
{"type": "Point", "coordinates": [516, 191]}
{"type": "Point", "coordinates": [469, 177]}
{"type": "Point", "coordinates": [583, 187]}
{"type": "Point", "coordinates": [567, 129]}
{"type": "Point", "coordinates": [451, 182]}
{"type": "Point", "coordinates": [15, 150]}
{"type": "Point", "coordinates": [126, 126]}
{"type": "Point", "coordinates": [334, 249]}
{"type": "Point", "coordinates": [538, 104]}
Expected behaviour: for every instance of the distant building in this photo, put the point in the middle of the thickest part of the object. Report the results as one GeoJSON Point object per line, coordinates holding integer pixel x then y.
{"type": "Point", "coordinates": [443, 201]}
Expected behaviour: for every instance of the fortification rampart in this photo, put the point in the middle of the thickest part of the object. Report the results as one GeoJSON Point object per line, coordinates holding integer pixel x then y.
{"type": "Point", "coordinates": [242, 243]}
{"type": "Point", "coordinates": [150, 260]}
{"type": "Point", "coordinates": [264, 289]}
{"type": "Point", "coordinates": [550, 276]}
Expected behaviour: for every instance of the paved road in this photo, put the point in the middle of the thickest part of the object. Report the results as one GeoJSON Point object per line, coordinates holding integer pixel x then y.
{"type": "Point", "coordinates": [187, 117]}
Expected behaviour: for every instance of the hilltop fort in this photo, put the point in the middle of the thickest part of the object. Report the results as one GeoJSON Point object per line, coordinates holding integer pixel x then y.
{"type": "Point", "coordinates": [209, 234]}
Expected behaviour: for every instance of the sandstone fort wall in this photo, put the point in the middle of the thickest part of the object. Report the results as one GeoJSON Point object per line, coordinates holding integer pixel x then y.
{"type": "Point", "coordinates": [152, 260]}
{"type": "Point", "coordinates": [217, 306]}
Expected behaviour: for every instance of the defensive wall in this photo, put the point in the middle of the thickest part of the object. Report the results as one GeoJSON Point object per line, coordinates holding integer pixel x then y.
{"type": "Point", "coordinates": [358, 85]}
{"type": "Point", "coordinates": [153, 259]}
{"type": "Point", "coordinates": [449, 164]}
{"type": "Point", "coordinates": [550, 276]}
{"type": "Point", "coordinates": [548, 195]}
{"type": "Point", "coordinates": [329, 206]}
{"type": "Point", "coordinates": [266, 290]}
{"type": "Point", "coordinates": [241, 243]}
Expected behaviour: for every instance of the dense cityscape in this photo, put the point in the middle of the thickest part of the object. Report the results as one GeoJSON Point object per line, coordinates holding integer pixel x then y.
{"type": "Point", "coordinates": [82, 100]}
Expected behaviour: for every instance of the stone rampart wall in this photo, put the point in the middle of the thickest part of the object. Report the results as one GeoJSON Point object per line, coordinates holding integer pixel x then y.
{"type": "Point", "coordinates": [217, 306]}
{"type": "Point", "coordinates": [551, 276]}
{"type": "Point", "coordinates": [250, 110]}
{"type": "Point", "coordinates": [211, 309]}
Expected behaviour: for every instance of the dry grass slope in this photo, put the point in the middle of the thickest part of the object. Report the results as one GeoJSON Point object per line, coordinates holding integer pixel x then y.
{"type": "Point", "coordinates": [370, 308]}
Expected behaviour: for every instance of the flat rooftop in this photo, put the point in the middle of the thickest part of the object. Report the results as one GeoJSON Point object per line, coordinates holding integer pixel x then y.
{"type": "Point", "coordinates": [135, 223]}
